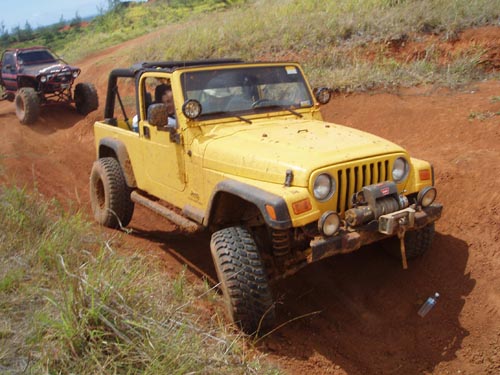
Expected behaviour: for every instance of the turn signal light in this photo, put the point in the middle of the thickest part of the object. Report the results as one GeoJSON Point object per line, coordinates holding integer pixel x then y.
{"type": "Point", "coordinates": [270, 211]}
{"type": "Point", "coordinates": [424, 174]}
{"type": "Point", "coordinates": [301, 206]}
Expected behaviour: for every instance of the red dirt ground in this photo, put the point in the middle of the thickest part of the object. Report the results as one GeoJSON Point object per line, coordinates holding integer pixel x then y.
{"type": "Point", "coordinates": [366, 304]}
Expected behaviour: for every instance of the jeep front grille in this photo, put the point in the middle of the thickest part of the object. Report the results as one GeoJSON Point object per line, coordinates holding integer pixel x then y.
{"type": "Point", "coordinates": [352, 178]}
{"type": "Point", "coordinates": [62, 78]}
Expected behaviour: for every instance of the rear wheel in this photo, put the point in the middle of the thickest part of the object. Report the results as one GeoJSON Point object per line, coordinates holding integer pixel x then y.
{"type": "Point", "coordinates": [27, 105]}
{"type": "Point", "coordinates": [109, 194]}
{"type": "Point", "coordinates": [86, 99]}
{"type": "Point", "coordinates": [243, 279]}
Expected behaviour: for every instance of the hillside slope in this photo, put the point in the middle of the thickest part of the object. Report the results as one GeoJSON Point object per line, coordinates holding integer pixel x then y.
{"type": "Point", "coordinates": [367, 303]}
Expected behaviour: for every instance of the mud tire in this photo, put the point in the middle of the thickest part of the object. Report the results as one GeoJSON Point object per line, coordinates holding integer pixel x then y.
{"type": "Point", "coordinates": [109, 194]}
{"type": "Point", "coordinates": [243, 279]}
{"type": "Point", "coordinates": [86, 99]}
{"type": "Point", "coordinates": [27, 105]}
{"type": "Point", "coordinates": [417, 242]}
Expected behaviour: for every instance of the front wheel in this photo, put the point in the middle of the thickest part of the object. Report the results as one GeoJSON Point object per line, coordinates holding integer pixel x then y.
{"type": "Point", "coordinates": [27, 105]}
{"type": "Point", "coordinates": [243, 279]}
{"type": "Point", "coordinates": [109, 194]}
{"type": "Point", "coordinates": [86, 99]}
{"type": "Point", "coordinates": [417, 242]}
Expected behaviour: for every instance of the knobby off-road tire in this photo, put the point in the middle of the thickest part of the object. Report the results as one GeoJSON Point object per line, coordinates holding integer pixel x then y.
{"type": "Point", "coordinates": [27, 105]}
{"type": "Point", "coordinates": [109, 194]}
{"type": "Point", "coordinates": [86, 99]}
{"type": "Point", "coordinates": [417, 242]}
{"type": "Point", "coordinates": [243, 279]}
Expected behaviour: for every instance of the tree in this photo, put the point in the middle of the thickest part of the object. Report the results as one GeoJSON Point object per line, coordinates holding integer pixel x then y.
{"type": "Point", "coordinates": [27, 33]}
{"type": "Point", "coordinates": [76, 22]}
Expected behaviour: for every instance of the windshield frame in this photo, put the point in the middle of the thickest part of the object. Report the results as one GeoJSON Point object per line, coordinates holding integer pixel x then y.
{"type": "Point", "coordinates": [274, 78]}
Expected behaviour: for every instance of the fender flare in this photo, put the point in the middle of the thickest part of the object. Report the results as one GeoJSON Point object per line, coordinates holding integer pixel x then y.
{"type": "Point", "coordinates": [120, 151]}
{"type": "Point", "coordinates": [258, 197]}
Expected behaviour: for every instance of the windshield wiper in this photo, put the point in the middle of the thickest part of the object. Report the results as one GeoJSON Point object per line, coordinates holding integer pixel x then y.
{"type": "Point", "coordinates": [282, 107]}
{"type": "Point", "coordinates": [230, 115]}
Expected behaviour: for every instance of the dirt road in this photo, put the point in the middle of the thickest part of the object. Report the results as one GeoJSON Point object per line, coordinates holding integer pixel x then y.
{"type": "Point", "coordinates": [362, 307]}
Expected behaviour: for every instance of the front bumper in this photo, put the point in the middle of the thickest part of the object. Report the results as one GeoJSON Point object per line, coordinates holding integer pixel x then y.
{"type": "Point", "coordinates": [386, 226]}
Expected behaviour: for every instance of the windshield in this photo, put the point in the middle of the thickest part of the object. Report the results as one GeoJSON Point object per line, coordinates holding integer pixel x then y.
{"type": "Point", "coordinates": [247, 90]}
{"type": "Point", "coordinates": [36, 57]}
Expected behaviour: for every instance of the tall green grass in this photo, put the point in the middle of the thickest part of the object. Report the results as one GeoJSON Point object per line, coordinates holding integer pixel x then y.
{"type": "Point", "coordinates": [69, 304]}
{"type": "Point", "coordinates": [327, 37]}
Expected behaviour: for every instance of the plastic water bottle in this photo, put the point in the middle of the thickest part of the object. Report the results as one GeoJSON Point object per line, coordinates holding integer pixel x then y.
{"type": "Point", "coordinates": [428, 305]}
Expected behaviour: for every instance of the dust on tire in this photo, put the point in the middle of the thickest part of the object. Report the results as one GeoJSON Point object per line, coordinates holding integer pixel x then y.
{"type": "Point", "coordinates": [109, 194]}
{"type": "Point", "coordinates": [243, 279]}
{"type": "Point", "coordinates": [27, 105]}
{"type": "Point", "coordinates": [86, 99]}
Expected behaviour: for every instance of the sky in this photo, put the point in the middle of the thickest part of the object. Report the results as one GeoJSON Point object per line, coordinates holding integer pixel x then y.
{"type": "Point", "coordinates": [46, 12]}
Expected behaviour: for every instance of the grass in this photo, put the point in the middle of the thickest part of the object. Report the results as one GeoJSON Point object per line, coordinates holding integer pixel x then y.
{"type": "Point", "coordinates": [124, 23]}
{"type": "Point", "coordinates": [328, 38]}
{"type": "Point", "coordinates": [71, 305]}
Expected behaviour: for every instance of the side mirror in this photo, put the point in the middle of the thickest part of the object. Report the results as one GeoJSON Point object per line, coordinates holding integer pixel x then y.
{"type": "Point", "coordinates": [323, 94]}
{"type": "Point", "coordinates": [158, 115]}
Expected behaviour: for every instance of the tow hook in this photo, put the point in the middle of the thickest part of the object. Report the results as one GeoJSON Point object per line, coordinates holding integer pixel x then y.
{"type": "Point", "coordinates": [401, 236]}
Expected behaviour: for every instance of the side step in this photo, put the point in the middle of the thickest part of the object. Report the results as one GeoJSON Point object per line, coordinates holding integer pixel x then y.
{"type": "Point", "coordinates": [186, 225]}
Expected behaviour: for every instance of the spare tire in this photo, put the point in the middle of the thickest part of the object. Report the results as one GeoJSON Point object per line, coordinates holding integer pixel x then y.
{"type": "Point", "coordinates": [86, 99]}
{"type": "Point", "coordinates": [27, 105]}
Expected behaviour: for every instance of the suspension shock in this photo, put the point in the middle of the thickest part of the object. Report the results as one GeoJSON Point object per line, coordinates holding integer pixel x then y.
{"type": "Point", "coordinates": [281, 242]}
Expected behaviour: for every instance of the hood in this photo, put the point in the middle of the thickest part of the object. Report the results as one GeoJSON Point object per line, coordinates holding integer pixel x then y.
{"type": "Point", "coordinates": [50, 68]}
{"type": "Point", "coordinates": [265, 150]}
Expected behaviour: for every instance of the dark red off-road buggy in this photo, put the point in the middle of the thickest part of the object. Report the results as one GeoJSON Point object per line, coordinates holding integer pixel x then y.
{"type": "Point", "coordinates": [35, 77]}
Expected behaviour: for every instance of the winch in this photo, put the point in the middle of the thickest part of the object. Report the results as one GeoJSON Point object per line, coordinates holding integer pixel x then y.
{"type": "Point", "coordinates": [373, 202]}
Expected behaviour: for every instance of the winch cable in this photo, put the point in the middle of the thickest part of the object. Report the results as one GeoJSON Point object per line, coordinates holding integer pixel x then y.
{"type": "Point", "coordinates": [401, 236]}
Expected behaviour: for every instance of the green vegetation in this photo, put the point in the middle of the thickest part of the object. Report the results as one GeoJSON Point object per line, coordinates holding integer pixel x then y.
{"type": "Point", "coordinates": [69, 304]}
{"type": "Point", "coordinates": [331, 39]}
{"type": "Point", "coordinates": [345, 44]}
{"type": "Point", "coordinates": [113, 25]}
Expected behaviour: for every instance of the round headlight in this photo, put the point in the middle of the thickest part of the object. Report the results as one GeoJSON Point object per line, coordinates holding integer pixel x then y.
{"type": "Point", "coordinates": [191, 108]}
{"type": "Point", "coordinates": [400, 170]}
{"type": "Point", "coordinates": [329, 223]}
{"type": "Point", "coordinates": [43, 79]}
{"type": "Point", "coordinates": [427, 196]}
{"type": "Point", "coordinates": [324, 187]}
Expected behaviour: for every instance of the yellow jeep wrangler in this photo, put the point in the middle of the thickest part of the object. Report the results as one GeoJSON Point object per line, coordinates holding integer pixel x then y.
{"type": "Point", "coordinates": [244, 152]}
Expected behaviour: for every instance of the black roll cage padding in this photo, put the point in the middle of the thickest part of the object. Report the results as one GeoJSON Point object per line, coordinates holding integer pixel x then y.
{"type": "Point", "coordinates": [122, 108]}
{"type": "Point", "coordinates": [171, 65]}
{"type": "Point", "coordinates": [112, 90]}
{"type": "Point", "coordinates": [132, 72]}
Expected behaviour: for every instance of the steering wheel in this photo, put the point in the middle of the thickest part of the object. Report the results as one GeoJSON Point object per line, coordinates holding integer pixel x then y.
{"type": "Point", "coordinates": [260, 102]}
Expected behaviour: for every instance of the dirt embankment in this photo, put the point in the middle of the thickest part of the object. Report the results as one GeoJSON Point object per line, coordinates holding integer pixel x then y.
{"type": "Point", "coordinates": [366, 305]}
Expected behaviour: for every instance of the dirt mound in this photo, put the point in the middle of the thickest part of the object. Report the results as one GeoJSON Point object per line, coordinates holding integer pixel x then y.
{"type": "Point", "coordinates": [359, 310]}
{"type": "Point", "coordinates": [484, 41]}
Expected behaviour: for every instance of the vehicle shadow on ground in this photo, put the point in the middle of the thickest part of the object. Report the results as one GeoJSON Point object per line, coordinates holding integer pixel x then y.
{"type": "Point", "coordinates": [191, 250]}
{"type": "Point", "coordinates": [358, 311]}
{"type": "Point", "coordinates": [54, 118]}
{"type": "Point", "coordinates": [366, 304]}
